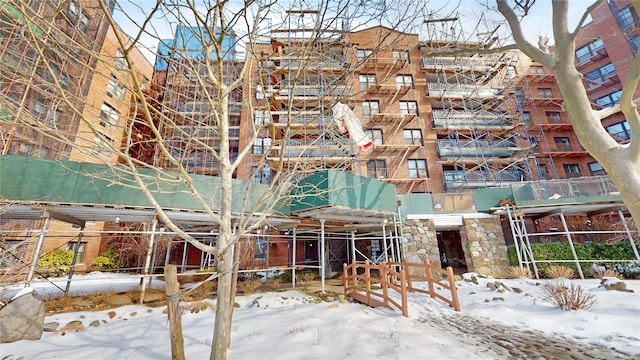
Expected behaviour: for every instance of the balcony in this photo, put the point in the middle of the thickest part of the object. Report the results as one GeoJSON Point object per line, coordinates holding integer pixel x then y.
{"type": "Point", "coordinates": [456, 179]}
{"type": "Point", "coordinates": [477, 148]}
{"type": "Point", "coordinates": [459, 91]}
{"type": "Point", "coordinates": [385, 89]}
{"type": "Point", "coordinates": [311, 92]}
{"type": "Point", "coordinates": [458, 64]}
{"type": "Point", "coordinates": [461, 120]}
{"type": "Point", "coordinates": [376, 62]}
{"type": "Point", "coordinates": [319, 149]}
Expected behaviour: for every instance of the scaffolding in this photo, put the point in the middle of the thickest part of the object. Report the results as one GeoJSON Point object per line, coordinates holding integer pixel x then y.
{"type": "Point", "coordinates": [301, 74]}
{"type": "Point", "coordinates": [481, 139]}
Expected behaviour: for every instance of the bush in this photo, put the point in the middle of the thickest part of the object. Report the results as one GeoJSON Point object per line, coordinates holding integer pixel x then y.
{"type": "Point", "coordinates": [516, 272]}
{"type": "Point", "coordinates": [273, 283]}
{"type": "Point", "coordinates": [559, 271]}
{"type": "Point", "coordinates": [249, 286]}
{"type": "Point", "coordinates": [108, 260]}
{"type": "Point", "coordinates": [306, 278]}
{"type": "Point", "coordinates": [562, 251]}
{"type": "Point", "coordinates": [58, 261]}
{"type": "Point", "coordinates": [630, 270]}
{"type": "Point", "coordinates": [573, 297]}
{"type": "Point", "coordinates": [607, 273]}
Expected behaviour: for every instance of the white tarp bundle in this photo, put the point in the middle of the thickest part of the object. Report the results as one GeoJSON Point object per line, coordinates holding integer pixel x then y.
{"type": "Point", "coordinates": [348, 122]}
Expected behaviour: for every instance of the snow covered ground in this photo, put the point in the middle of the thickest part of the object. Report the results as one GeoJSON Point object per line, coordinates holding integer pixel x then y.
{"type": "Point", "coordinates": [291, 325]}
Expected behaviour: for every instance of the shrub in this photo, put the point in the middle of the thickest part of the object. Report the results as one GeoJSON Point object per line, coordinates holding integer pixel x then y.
{"type": "Point", "coordinates": [306, 278]}
{"type": "Point", "coordinates": [607, 273]}
{"type": "Point", "coordinates": [108, 260]}
{"type": "Point", "coordinates": [249, 286]}
{"type": "Point", "coordinates": [559, 271]}
{"type": "Point", "coordinates": [273, 283]}
{"type": "Point", "coordinates": [630, 270]}
{"type": "Point", "coordinates": [573, 297]}
{"type": "Point", "coordinates": [516, 272]}
{"type": "Point", "coordinates": [58, 261]}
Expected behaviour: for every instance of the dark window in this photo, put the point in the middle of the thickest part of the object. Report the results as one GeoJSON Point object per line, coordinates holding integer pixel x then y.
{"type": "Point", "coordinates": [545, 93]}
{"type": "Point", "coordinates": [375, 135]}
{"type": "Point", "coordinates": [571, 170]}
{"type": "Point", "coordinates": [363, 54]}
{"type": "Point", "coordinates": [554, 117]}
{"type": "Point", "coordinates": [73, 245]}
{"type": "Point", "coordinates": [377, 169]}
{"type": "Point", "coordinates": [562, 143]}
{"type": "Point", "coordinates": [596, 169]}
{"type": "Point", "coordinates": [620, 131]}
{"type": "Point", "coordinates": [600, 75]}
{"type": "Point", "coordinates": [609, 100]}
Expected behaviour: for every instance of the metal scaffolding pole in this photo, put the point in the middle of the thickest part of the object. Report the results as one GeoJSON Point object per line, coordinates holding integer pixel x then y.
{"type": "Point", "coordinates": [626, 228]}
{"type": "Point", "coordinates": [37, 250]}
{"type": "Point", "coordinates": [322, 264]}
{"type": "Point", "coordinates": [75, 259]}
{"type": "Point", "coordinates": [293, 260]}
{"type": "Point", "coordinates": [573, 249]}
{"type": "Point", "coordinates": [147, 261]}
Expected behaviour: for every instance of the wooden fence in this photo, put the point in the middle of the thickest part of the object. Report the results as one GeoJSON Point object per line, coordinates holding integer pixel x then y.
{"type": "Point", "coordinates": [360, 285]}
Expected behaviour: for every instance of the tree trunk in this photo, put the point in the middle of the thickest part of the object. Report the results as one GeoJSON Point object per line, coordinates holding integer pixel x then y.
{"type": "Point", "coordinates": [222, 327]}
{"type": "Point", "coordinates": [234, 284]}
{"type": "Point", "coordinates": [173, 308]}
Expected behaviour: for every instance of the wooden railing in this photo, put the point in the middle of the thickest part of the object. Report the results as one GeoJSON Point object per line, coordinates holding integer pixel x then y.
{"type": "Point", "coordinates": [370, 284]}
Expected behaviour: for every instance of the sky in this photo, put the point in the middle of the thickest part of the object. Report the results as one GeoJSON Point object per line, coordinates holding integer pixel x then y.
{"type": "Point", "coordinates": [537, 23]}
{"type": "Point", "coordinates": [512, 321]}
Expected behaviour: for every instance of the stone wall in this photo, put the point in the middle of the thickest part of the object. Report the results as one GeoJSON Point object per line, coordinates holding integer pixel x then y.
{"type": "Point", "coordinates": [420, 241]}
{"type": "Point", "coordinates": [484, 246]}
{"type": "Point", "coordinates": [482, 242]}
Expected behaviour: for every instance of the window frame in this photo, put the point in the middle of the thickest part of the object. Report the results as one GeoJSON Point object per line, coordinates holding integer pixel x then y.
{"type": "Point", "coordinates": [403, 79]}
{"type": "Point", "coordinates": [71, 245]}
{"type": "Point", "coordinates": [407, 106]}
{"type": "Point", "coordinates": [369, 109]}
{"type": "Point", "coordinates": [366, 81]}
{"type": "Point", "coordinates": [419, 168]}
{"type": "Point", "coordinates": [109, 116]}
{"type": "Point", "coordinates": [412, 138]}
{"type": "Point", "coordinates": [376, 135]}
{"type": "Point", "coordinates": [377, 168]}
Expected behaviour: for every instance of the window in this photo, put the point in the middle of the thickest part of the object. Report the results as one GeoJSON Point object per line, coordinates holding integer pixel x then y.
{"type": "Point", "coordinates": [115, 88]}
{"type": "Point", "coordinates": [533, 141]}
{"type": "Point", "coordinates": [261, 145]}
{"type": "Point", "coordinates": [600, 75]}
{"type": "Point", "coordinates": [119, 61]}
{"type": "Point", "coordinates": [262, 175]}
{"type": "Point", "coordinates": [260, 92]}
{"type": "Point", "coordinates": [412, 137]}
{"type": "Point", "coordinates": [596, 169]}
{"type": "Point", "coordinates": [369, 108]}
{"type": "Point", "coordinates": [526, 118]}
{"type": "Point", "coordinates": [375, 135]}
{"type": "Point", "coordinates": [377, 169]}
{"type": "Point", "coordinates": [545, 93]}
{"type": "Point", "coordinates": [543, 172]}
{"type": "Point", "coordinates": [401, 55]}
{"type": "Point", "coordinates": [620, 131]}
{"type": "Point", "coordinates": [408, 107]}
{"type": "Point", "coordinates": [46, 113]}
{"type": "Point", "coordinates": [586, 52]}
{"type": "Point", "coordinates": [402, 80]}
{"type": "Point", "coordinates": [367, 80]}
{"type": "Point", "coordinates": [537, 70]}
{"type": "Point", "coordinates": [554, 117]}
{"type": "Point", "coordinates": [261, 117]}
{"type": "Point", "coordinates": [562, 143]}
{"type": "Point", "coordinates": [109, 116]}
{"type": "Point", "coordinates": [73, 10]}
{"type": "Point", "coordinates": [417, 168]}
{"type": "Point", "coordinates": [571, 170]}
{"type": "Point", "coordinates": [363, 54]}
{"type": "Point", "coordinates": [625, 17]}
{"type": "Point", "coordinates": [102, 145]}
{"type": "Point", "coordinates": [609, 100]}
{"type": "Point", "coordinates": [84, 22]}
{"type": "Point", "coordinates": [73, 245]}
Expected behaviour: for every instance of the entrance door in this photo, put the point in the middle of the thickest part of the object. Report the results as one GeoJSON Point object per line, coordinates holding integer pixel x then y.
{"type": "Point", "coordinates": [451, 253]}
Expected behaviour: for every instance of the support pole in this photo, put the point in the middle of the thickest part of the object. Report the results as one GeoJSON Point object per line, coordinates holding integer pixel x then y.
{"type": "Point", "coordinates": [353, 246]}
{"type": "Point", "coordinates": [322, 264]}
{"type": "Point", "coordinates": [173, 309]}
{"type": "Point", "coordinates": [37, 251]}
{"type": "Point", "coordinates": [573, 249]}
{"type": "Point", "coordinates": [147, 261]}
{"type": "Point", "coordinates": [384, 243]}
{"type": "Point", "coordinates": [293, 260]}
{"type": "Point", "coordinates": [75, 259]}
{"type": "Point", "coordinates": [629, 235]}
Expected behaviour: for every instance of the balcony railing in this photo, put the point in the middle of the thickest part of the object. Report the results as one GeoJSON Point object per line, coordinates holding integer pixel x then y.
{"type": "Point", "coordinates": [591, 186]}
{"type": "Point", "coordinates": [476, 148]}
{"type": "Point", "coordinates": [461, 90]}
{"type": "Point", "coordinates": [454, 179]}
{"type": "Point", "coordinates": [453, 119]}
{"type": "Point", "coordinates": [477, 64]}
{"type": "Point", "coordinates": [318, 149]}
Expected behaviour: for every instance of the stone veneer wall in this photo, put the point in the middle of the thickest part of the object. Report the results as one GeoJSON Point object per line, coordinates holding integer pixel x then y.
{"type": "Point", "coordinates": [482, 242]}
{"type": "Point", "coordinates": [420, 241]}
{"type": "Point", "coordinates": [484, 246]}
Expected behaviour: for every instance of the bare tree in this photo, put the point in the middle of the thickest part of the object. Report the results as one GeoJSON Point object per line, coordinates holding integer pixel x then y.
{"type": "Point", "coordinates": [186, 125]}
{"type": "Point", "coordinates": [621, 161]}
